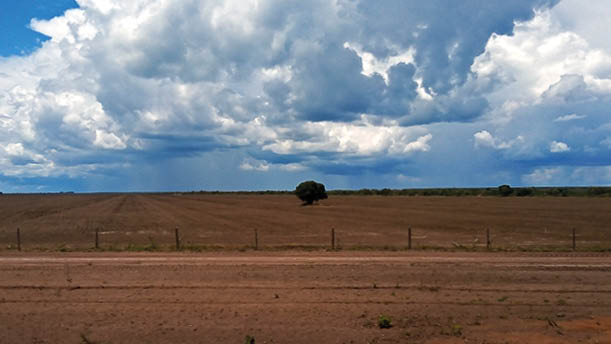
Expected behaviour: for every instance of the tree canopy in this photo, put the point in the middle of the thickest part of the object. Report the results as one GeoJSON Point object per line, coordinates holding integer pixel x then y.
{"type": "Point", "coordinates": [310, 192]}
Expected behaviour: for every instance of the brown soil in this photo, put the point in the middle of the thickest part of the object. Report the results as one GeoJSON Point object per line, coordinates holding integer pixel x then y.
{"type": "Point", "coordinates": [69, 221]}
{"type": "Point", "coordinates": [305, 297]}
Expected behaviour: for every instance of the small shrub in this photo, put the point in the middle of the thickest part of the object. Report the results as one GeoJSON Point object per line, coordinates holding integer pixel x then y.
{"type": "Point", "coordinates": [152, 246]}
{"type": "Point", "coordinates": [522, 192]}
{"type": "Point", "coordinates": [559, 192]}
{"type": "Point", "coordinates": [596, 191]}
{"type": "Point", "coordinates": [384, 321]}
{"type": "Point", "coordinates": [456, 330]}
{"type": "Point", "coordinates": [85, 340]}
{"type": "Point", "coordinates": [249, 340]}
{"type": "Point", "coordinates": [505, 190]}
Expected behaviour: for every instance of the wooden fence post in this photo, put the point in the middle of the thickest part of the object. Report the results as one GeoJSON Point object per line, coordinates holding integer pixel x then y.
{"type": "Point", "coordinates": [574, 243]}
{"type": "Point", "coordinates": [177, 238]}
{"type": "Point", "coordinates": [409, 238]}
{"type": "Point", "coordinates": [18, 239]}
{"type": "Point", "coordinates": [488, 238]}
{"type": "Point", "coordinates": [256, 239]}
{"type": "Point", "coordinates": [97, 239]}
{"type": "Point", "coordinates": [333, 238]}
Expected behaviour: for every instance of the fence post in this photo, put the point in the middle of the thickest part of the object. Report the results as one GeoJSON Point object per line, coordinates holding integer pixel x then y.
{"type": "Point", "coordinates": [177, 238]}
{"type": "Point", "coordinates": [333, 238]}
{"type": "Point", "coordinates": [574, 244]}
{"type": "Point", "coordinates": [256, 239]}
{"type": "Point", "coordinates": [409, 238]}
{"type": "Point", "coordinates": [488, 238]}
{"type": "Point", "coordinates": [97, 239]}
{"type": "Point", "coordinates": [18, 239]}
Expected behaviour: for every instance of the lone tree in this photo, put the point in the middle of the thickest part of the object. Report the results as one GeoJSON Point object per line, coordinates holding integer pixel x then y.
{"type": "Point", "coordinates": [310, 191]}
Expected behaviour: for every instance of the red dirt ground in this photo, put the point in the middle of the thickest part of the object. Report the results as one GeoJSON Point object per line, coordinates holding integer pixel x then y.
{"type": "Point", "coordinates": [69, 221]}
{"type": "Point", "coordinates": [297, 296]}
{"type": "Point", "coordinates": [305, 297]}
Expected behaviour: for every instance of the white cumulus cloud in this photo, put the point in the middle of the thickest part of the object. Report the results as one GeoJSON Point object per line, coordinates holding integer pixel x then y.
{"type": "Point", "coordinates": [570, 117]}
{"type": "Point", "coordinates": [361, 139]}
{"type": "Point", "coordinates": [558, 147]}
{"type": "Point", "coordinates": [485, 139]}
{"type": "Point", "coordinates": [251, 164]}
{"type": "Point", "coordinates": [543, 59]}
{"type": "Point", "coordinates": [542, 176]}
{"type": "Point", "coordinates": [254, 165]}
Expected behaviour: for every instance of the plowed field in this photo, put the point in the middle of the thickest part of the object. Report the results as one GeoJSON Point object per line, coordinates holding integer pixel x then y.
{"type": "Point", "coordinates": [69, 221]}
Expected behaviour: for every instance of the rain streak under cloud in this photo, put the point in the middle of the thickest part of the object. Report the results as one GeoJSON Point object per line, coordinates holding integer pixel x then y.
{"type": "Point", "coordinates": [151, 95]}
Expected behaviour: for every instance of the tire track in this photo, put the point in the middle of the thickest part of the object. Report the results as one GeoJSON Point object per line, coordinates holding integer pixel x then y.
{"type": "Point", "coordinates": [598, 262]}
{"type": "Point", "coordinates": [275, 303]}
{"type": "Point", "coordinates": [431, 288]}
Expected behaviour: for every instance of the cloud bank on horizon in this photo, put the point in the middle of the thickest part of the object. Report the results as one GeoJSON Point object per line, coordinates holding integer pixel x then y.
{"type": "Point", "coordinates": [245, 94]}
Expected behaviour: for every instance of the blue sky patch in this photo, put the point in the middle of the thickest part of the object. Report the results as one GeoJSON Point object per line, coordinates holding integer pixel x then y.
{"type": "Point", "coordinates": [16, 37]}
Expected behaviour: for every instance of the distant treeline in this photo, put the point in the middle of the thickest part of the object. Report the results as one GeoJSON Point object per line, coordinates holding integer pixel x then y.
{"type": "Point", "coordinates": [490, 191]}
{"type": "Point", "coordinates": [501, 191]}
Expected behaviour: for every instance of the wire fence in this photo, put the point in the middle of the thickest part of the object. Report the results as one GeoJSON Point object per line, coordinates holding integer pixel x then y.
{"type": "Point", "coordinates": [256, 239]}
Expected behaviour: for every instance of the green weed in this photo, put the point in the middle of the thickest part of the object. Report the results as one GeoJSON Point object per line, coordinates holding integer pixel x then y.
{"type": "Point", "coordinates": [456, 330]}
{"type": "Point", "coordinates": [384, 321]}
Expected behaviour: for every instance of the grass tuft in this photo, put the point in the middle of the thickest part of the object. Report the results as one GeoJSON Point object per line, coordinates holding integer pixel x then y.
{"type": "Point", "coordinates": [384, 321]}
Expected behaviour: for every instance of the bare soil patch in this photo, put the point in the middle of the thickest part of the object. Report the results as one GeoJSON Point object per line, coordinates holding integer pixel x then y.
{"type": "Point", "coordinates": [305, 297]}
{"type": "Point", "coordinates": [228, 221]}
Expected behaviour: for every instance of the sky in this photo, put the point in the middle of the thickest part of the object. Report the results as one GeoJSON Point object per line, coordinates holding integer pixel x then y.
{"type": "Point", "coordinates": [179, 95]}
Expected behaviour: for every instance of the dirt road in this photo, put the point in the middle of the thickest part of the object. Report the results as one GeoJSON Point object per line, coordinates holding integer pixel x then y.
{"type": "Point", "coordinates": [305, 297]}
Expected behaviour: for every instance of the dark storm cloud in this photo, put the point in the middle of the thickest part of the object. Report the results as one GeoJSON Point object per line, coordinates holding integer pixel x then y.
{"type": "Point", "coordinates": [189, 42]}
{"type": "Point", "coordinates": [446, 35]}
